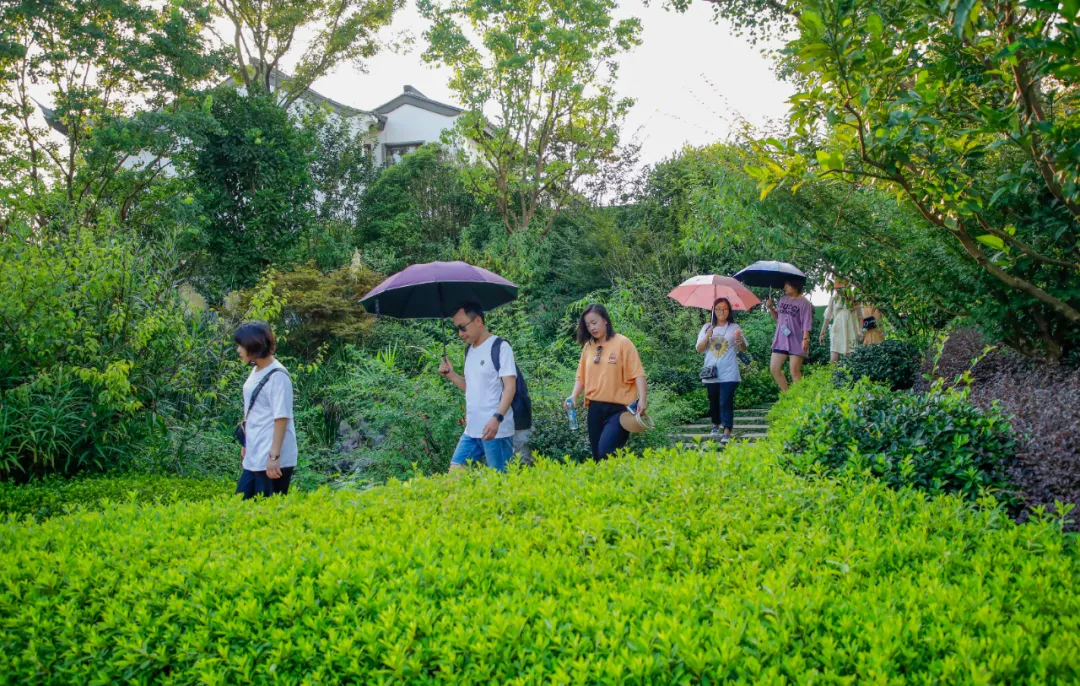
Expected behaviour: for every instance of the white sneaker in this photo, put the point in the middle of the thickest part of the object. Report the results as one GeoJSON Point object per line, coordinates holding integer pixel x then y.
{"type": "Point", "coordinates": [715, 431]}
{"type": "Point", "coordinates": [726, 438]}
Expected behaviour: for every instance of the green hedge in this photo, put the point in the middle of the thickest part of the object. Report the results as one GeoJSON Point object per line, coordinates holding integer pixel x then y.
{"type": "Point", "coordinates": [687, 567]}
{"type": "Point", "coordinates": [937, 442]}
{"type": "Point", "coordinates": [55, 496]}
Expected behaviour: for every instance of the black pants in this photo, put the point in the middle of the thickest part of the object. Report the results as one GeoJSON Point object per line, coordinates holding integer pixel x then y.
{"type": "Point", "coordinates": [252, 484]}
{"type": "Point", "coordinates": [606, 435]}
{"type": "Point", "coordinates": [722, 403]}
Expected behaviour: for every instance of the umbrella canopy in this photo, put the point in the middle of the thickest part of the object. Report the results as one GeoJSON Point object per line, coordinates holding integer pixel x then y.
{"type": "Point", "coordinates": [702, 291]}
{"type": "Point", "coordinates": [770, 274]}
{"type": "Point", "coordinates": [437, 289]}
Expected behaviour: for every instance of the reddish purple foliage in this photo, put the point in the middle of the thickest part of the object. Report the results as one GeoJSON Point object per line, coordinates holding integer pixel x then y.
{"type": "Point", "coordinates": [1043, 404]}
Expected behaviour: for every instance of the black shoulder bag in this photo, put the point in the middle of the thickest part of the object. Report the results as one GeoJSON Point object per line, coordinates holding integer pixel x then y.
{"type": "Point", "coordinates": [240, 433]}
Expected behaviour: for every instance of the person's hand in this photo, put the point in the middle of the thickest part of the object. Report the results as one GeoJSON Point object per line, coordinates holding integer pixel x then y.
{"type": "Point", "coordinates": [243, 453]}
{"type": "Point", "coordinates": [769, 303]}
{"type": "Point", "coordinates": [821, 336]}
{"type": "Point", "coordinates": [806, 346]}
{"type": "Point", "coordinates": [570, 402]}
{"type": "Point", "coordinates": [491, 430]}
{"type": "Point", "coordinates": [445, 368]}
{"type": "Point", "coordinates": [642, 405]}
{"type": "Point", "coordinates": [273, 467]}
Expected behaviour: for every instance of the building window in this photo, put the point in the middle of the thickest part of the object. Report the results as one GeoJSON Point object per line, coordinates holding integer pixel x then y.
{"type": "Point", "coordinates": [395, 152]}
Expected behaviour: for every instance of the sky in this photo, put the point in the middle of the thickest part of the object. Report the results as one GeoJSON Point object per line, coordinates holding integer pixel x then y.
{"type": "Point", "coordinates": [690, 77]}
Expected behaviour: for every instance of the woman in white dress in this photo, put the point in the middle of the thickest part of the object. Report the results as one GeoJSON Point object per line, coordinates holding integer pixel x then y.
{"type": "Point", "coordinates": [843, 318]}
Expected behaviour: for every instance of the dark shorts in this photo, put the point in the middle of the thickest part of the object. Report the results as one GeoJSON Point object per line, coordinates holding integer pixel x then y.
{"type": "Point", "coordinates": [252, 484]}
{"type": "Point", "coordinates": [784, 352]}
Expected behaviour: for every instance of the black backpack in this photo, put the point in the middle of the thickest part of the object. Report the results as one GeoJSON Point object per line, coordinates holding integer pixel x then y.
{"type": "Point", "coordinates": [522, 404]}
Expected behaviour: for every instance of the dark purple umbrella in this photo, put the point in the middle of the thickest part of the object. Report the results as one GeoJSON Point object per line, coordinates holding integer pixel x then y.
{"type": "Point", "coordinates": [436, 290]}
{"type": "Point", "coordinates": [770, 274]}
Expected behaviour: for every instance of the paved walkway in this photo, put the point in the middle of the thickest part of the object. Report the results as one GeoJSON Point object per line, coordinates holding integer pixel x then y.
{"type": "Point", "coordinates": [750, 425]}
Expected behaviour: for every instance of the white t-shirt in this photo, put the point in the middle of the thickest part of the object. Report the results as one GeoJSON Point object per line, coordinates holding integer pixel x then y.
{"type": "Point", "coordinates": [722, 351]}
{"type": "Point", "coordinates": [275, 401]}
{"type": "Point", "coordinates": [483, 388]}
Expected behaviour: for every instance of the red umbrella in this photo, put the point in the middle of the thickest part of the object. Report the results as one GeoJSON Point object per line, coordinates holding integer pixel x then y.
{"type": "Point", "coordinates": [702, 291]}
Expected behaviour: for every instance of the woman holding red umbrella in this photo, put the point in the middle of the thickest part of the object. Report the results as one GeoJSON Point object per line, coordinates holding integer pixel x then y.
{"type": "Point", "coordinates": [721, 340]}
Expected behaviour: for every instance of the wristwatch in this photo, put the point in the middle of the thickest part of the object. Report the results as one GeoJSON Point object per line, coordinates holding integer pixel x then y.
{"type": "Point", "coordinates": [499, 417]}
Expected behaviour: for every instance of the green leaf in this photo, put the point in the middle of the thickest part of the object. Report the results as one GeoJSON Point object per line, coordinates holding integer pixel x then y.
{"type": "Point", "coordinates": [1070, 9]}
{"type": "Point", "coordinates": [875, 25]}
{"type": "Point", "coordinates": [812, 23]}
{"type": "Point", "coordinates": [991, 241]}
{"type": "Point", "coordinates": [961, 16]}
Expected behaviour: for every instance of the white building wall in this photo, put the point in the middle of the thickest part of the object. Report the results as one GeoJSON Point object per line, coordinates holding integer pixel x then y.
{"type": "Point", "coordinates": [410, 124]}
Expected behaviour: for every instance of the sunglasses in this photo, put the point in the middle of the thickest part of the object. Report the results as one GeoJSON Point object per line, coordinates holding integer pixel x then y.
{"type": "Point", "coordinates": [599, 350]}
{"type": "Point", "coordinates": [462, 327]}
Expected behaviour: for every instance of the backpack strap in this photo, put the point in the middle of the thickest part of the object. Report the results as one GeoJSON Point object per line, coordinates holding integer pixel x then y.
{"type": "Point", "coordinates": [496, 348]}
{"type": "Point", "coordinates": [258, 389]}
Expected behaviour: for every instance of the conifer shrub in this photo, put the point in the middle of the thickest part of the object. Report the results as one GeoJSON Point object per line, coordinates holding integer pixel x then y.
{"type": "Point", "coordinates": [676, 567]}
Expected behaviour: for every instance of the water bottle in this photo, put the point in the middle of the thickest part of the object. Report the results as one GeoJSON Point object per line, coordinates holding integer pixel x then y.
{"type": "Point", "coordinates": [571, 414]}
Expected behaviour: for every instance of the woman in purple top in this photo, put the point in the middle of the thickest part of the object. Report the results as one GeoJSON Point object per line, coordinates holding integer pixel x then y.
{"type": "Point", "coordinates": [794, 320]}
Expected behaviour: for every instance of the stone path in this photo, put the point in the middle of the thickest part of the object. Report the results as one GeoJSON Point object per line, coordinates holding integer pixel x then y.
{"type": "Point", "coordinates": [750, 425]}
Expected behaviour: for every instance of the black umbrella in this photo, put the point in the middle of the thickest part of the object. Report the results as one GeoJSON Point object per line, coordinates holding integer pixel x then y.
{"type": "Point", "coordinates": [436, 290]}
{"type": "Point", "coordinates": [770, 274]}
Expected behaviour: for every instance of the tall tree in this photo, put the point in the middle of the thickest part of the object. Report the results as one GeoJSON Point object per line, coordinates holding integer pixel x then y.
{"type": "Point", "coordinates": [253, 183]}
{"type": "Point", "coordinates": [966, 110]}
{"type": "Point", "coordinates": [537, 80]}
{"type": "Point", "coordinates": [264, 31]}
{"type": "Point", "coordinates": [96, 64]}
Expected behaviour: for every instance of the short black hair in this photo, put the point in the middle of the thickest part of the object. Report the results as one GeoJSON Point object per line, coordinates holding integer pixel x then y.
{"type": "Point", "coordinates": [583, 336]}
{"type": "Point", "coordinates": [730, 311]}
{"type": "Point", "coordinates": [473, 310]}
{"type": "Point", "coordinates": [797, 284]}
{"type": "Point", "coordinates": [257, 338]}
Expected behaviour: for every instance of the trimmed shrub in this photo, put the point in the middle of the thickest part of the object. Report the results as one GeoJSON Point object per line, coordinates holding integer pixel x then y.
{"type": "Point", "coordinates": [681, 567]}
{"type": "Point", "coordinates": [936, 442]}
{"type": "Point", "coordinates": [891, 362]}
{"type": "Point", "coordinates": [54, 496]}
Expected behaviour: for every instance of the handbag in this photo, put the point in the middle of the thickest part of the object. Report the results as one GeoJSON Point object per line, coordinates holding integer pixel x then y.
{"type": "Point", "coordinates": [240, 432]}
{"type": "Point", "coordinates": [869, 323]}
{"type": "Point", "coordinates": [708, 372]}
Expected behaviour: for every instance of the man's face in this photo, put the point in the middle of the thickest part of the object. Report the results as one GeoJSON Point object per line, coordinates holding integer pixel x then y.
{"type": "Point", "coordinates": [467, 327]}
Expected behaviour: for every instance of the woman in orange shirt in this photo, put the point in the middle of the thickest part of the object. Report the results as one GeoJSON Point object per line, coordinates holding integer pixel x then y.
{"type": "Point", "coordinates": [612, 377]}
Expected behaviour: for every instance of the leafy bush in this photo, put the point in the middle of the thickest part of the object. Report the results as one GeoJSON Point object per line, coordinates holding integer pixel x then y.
{"type": "Point", "coordinates": [320, 308]}
{"type": "Point", "coordinates": [676, 567]}
{"type": "Point", "coordinates": [937, 442]}
{"type": "Point", "coordinates": [53, 496]}
{"type": "Point", "coordinates": [100, 356]}
{"type": "Point", "coordinates": [892, 362]}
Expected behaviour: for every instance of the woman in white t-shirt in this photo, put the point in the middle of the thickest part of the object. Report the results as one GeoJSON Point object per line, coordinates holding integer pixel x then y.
{"type": "Point", "coordinates": [269, 453]}
{"type": "Point", "coordinates": [721, 340]}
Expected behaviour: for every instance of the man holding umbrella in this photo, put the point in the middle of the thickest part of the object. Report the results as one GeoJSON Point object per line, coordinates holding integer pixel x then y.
{"type": "Point", "coordinates": [489, 383]}
{"type": "Point", "coordinates": [436, 290]}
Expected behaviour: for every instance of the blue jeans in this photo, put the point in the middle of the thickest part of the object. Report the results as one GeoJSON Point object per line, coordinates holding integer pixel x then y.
{"type": "Point", "coordinates": [722, 403]}
{"type": "Point", "coordinates": [496, 452]}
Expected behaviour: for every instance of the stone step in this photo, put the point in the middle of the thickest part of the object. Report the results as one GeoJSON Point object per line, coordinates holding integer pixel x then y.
{"type": "Point", "coordinates": [691, 438]}
{"type": "Point", "coordinates": [738, 426]}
